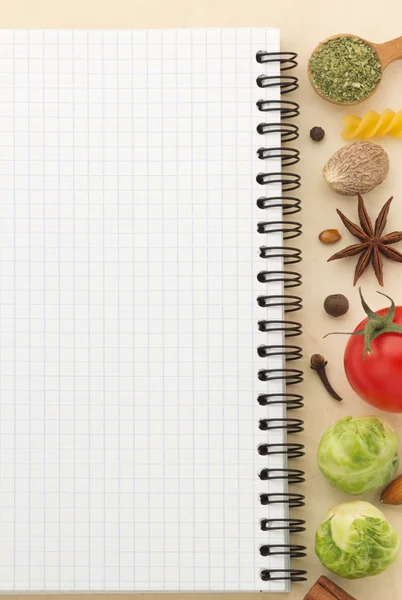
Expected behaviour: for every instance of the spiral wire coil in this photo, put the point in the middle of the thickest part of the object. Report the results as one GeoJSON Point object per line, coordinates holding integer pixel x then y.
{"type": "Point", "coordinates": [290, 205]}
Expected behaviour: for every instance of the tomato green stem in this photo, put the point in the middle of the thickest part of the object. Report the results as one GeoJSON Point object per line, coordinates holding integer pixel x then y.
{"type": "Point", "coordinates": [376, 325]}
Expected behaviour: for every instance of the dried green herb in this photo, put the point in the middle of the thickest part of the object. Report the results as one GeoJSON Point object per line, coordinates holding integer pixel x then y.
{"type": "Point", "coordinates": [345, 69]}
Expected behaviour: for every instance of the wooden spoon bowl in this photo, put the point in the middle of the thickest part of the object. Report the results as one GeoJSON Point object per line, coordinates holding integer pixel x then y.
{"type": "Point", "coordinates": [387, 53]}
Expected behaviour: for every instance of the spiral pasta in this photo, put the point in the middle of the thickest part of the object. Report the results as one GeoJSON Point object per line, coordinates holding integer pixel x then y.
{"type": "Point", "coordinates": [372, 124]}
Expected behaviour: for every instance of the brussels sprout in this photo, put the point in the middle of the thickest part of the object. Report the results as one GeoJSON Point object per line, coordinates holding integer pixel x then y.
{"type": "Point", "coordinates": [359, 454]}
{"type": "Point", "coordinates": [356, 540]}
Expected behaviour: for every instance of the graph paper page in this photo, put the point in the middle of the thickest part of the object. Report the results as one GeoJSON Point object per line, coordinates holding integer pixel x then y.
{"type": "Point", "coordinates": [128, 315]}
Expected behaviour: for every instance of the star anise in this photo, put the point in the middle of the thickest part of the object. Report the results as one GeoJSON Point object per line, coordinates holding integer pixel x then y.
{"type": "Point", "coordinates": [372, 243]}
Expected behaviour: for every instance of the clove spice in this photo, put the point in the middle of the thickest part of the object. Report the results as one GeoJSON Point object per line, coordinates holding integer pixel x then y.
{"type": "Point", "coordinates": [318, 364]}
{"type": "Point", "coordinates": [325, 589]}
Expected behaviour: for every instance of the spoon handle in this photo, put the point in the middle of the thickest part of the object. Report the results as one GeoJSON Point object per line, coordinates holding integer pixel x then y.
{"type": "Point", "coordinates": [389, 51]}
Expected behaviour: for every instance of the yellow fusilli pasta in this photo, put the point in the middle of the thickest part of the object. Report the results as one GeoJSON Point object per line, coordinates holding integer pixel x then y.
{"type": "Point", "coordinates": [372, 124]}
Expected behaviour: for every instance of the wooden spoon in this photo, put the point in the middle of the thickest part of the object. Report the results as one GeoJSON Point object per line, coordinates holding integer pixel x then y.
{"type": "Point", "coordinates": [387, 53]}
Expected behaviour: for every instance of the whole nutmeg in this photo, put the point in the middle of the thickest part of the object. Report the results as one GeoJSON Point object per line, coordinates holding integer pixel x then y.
{"type": "Point", "coordinates": [336, 305]}
{"type": "Point", "coordinates": [329, 236]}
{"type": "Point", "coordinates": [357, 168]}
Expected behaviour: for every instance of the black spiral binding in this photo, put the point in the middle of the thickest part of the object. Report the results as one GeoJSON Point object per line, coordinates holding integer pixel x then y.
{"type": "Point", "coordinates": [290, 229]}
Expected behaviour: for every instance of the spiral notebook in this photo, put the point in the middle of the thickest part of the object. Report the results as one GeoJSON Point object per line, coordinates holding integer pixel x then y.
{"type": "Point", "coordinates": [143, 402]}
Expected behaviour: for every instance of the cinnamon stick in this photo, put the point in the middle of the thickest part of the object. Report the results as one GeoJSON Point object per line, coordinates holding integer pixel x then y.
{"type": "Point", "coordinates": [325, 589]}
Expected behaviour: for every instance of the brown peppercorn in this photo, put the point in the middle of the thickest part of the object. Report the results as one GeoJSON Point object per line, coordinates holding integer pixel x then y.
{"type": "Point", "coordinates": [329, 236]}
{"type": "Point", "coordinates": [317, 134]}
{"type": "Point", "coordinates": [336, 305]}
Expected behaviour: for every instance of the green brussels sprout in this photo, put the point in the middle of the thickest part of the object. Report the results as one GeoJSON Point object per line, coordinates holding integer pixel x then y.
{"type": "Point", "coordinates": [356, 540]}
{"type": "Point", "coordinates": [359, 454]}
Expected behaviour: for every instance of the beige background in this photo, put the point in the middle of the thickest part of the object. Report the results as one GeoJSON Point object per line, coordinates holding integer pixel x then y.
{"type": "Point", "coordinates": [303, 24]}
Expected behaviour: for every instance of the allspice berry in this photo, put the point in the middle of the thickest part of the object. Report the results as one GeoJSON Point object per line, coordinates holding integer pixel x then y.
{"type": "Point", "coordinates": [336, 305]}
{"type": "Point", "coordinates": [317, 134]}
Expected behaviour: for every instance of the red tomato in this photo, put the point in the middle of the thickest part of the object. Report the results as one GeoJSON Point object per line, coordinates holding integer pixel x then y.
{"type": "Point", "coordinates": [377, 378]}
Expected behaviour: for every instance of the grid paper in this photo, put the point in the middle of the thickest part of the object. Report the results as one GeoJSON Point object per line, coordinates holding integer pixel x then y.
{"type": "Point", "coordinates": [128, 320]}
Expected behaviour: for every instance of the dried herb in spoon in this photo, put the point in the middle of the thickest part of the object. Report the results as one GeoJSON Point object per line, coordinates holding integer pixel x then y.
{"type": "Point", "coordinates": [345, 69]}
